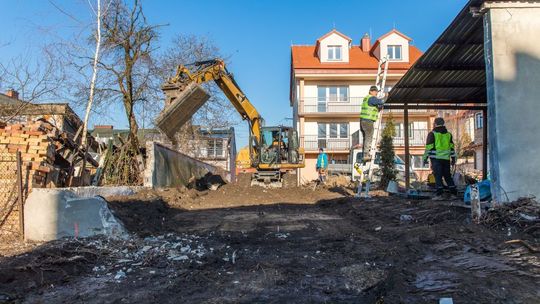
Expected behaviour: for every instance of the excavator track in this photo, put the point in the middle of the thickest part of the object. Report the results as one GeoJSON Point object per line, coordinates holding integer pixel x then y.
{"type": "Point", "coordinates": [289, 180]}
{"type": "Point", "coordinates": [243, 180]}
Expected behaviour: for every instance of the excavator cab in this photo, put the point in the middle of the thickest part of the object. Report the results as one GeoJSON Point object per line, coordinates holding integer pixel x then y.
{"type": "Point", "coordinates": [279, 154]}
{"type": "Point", "coordinates": [279, 146]}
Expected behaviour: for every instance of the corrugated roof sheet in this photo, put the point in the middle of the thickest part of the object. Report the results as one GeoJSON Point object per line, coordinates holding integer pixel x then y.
{"type": "Point", "coordinates": [452, 70]}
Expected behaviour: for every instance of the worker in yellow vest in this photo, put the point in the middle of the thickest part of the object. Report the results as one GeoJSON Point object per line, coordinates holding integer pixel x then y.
{"type": "Point", "coordinates": [440, 150]}
{"type": "Point", "coordinates": [368, 116]}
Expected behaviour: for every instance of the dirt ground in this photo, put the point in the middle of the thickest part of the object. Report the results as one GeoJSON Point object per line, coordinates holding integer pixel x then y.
{"type": "Point", "coordinates": [249, 245]}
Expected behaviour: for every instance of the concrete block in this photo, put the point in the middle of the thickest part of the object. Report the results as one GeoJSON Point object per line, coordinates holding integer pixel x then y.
{"type": "Point", "coordinates": [51, 214]}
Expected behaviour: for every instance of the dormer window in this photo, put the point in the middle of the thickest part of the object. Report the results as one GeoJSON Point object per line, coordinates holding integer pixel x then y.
{"type": "Point", "coordinates": [394, 52]}
{"type": "Point", "coordinates": [334, 52]}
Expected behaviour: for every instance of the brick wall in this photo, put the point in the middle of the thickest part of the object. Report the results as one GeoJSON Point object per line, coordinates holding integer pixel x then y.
{"type": "Point", "coordinates": [37, 154]}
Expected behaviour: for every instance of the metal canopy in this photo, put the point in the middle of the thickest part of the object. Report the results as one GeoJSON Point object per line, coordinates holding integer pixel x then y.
{"type": "Point", "coordinates": [450, 75]}
{"type": "Point", "coordinates": [452, 70]}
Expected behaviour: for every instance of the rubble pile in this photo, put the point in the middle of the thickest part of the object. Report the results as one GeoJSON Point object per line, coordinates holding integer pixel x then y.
{"type": "Point", "coordinates": [125, 257]}
{"type": "Point", "coordinates": [48, 160]}
{"type": "Point", "coordinates": [47, 153]}
{"type": "Point", "coordinates": [523, 214]}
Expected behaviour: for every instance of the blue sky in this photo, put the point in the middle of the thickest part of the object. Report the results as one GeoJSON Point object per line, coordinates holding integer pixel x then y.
{"type": "Point", "coordinates": [257, 35]}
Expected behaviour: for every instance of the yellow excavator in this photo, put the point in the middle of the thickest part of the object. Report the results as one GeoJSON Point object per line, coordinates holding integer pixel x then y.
{"type": "Point", "coordinates": [274, 152]}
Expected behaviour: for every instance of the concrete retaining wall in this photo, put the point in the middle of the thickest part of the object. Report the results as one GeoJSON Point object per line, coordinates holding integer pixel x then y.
{"type": "Point", "coordinates": [50, 214]}
{"type": "Point", "coordinates": [169, 168]}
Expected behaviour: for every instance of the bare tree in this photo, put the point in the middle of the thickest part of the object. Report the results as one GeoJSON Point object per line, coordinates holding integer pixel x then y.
{"type": "Point", "coordinates": [217, 112]}
{"type": "Point", "coordinates": [94, 71]}
{"type": "Point", "coordinates": [128, 45]}
{"type": "Point", "coordinates": [188, 49]}
{"type": "Point", "coordinates": [37, 79]}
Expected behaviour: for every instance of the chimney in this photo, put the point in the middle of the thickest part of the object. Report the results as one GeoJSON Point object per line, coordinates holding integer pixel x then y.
{"type": "Point", "coordinates": [103, 127]}
{"type": "Point", "coordinates": [12, 93]}
{"type": "Point", "coordinates": [366, 43]}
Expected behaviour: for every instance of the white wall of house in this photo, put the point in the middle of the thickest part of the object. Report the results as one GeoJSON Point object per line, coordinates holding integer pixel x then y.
{"type": "Point", "coordinates": [393, 39]}
{"type": "Point", "coordinates": [334, 40]}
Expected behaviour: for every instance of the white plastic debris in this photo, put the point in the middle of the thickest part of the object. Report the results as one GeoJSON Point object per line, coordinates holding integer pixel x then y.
{"type": "Point", "coordinates": [120, 275]}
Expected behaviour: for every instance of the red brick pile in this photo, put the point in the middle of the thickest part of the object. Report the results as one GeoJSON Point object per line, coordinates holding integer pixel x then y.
{"type": "Point", "coordinates": [37, 147]}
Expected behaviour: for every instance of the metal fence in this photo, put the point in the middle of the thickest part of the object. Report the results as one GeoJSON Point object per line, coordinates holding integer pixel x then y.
{"type": "Point", "coordinates": [330, 105]}
{"type": "Point", "coordinates": [417, 137]}
{"type": "Point", "coordinates": [340, 105]}
{"type": "Point", "coordinates": [11, 194]}
{"type": "Point", "coordinates": [313, 143]}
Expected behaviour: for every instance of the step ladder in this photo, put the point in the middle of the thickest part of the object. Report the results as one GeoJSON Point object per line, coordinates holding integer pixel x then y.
{"type": "Point", "coordinates": [380, 82]}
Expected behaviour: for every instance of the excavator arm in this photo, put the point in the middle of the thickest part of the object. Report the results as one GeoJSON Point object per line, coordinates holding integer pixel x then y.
{"type": "Point", "coordinates": [215, 70]}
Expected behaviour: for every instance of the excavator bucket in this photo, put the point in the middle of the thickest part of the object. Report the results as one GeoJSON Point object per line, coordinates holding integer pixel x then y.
{"type": "Point", "coordinates": [180, 105]}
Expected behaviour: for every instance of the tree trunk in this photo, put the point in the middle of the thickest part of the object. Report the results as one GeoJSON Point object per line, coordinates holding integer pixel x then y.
{"type": "Point", "coordinates": [94, 75]}
{"type": "Point", "coordinates": [133, 126]}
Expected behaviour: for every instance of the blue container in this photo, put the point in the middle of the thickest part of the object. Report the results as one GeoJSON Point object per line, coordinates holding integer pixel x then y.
{"type": "Point", "coordinates": [484, 189]}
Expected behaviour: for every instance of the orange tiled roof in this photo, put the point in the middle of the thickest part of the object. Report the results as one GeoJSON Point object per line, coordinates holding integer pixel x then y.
{"type": "Point", "coordinates": [305, 57]}
{"type": "Point", "coordinates": [334, 32]}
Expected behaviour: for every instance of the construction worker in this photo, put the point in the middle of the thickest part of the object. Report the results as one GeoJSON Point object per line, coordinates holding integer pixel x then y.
{"type": "Point", "coordinates": [368, 116]}
{"type": "Point", "coordinates": [322, 165]}
{"type": "Point", "coordinates": [440, 150]}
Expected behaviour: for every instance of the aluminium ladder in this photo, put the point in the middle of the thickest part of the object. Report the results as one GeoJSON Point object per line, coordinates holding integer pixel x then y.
{"type": "Point", "coordinates": [380, 82]}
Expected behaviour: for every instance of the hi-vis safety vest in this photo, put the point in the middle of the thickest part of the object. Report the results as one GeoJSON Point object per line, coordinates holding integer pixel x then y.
{"type": "Point", "coordinates": [443, 148]}
{"type": "Point", "coordinates": [369, 112]}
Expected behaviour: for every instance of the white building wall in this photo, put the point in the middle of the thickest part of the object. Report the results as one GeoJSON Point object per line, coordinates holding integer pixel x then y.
{"type": "Point", "coordinates": [334, 39]}
{"type": "Point", "coordinates": [393, 39]}
{"type": "Point", "coordinates": [513, 74]}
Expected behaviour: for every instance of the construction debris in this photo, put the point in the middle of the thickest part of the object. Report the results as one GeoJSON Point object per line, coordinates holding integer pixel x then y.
{"type": "Point", "coordinates": [288, 245]}
{"type": "Point", "coordinates": [523, 214]}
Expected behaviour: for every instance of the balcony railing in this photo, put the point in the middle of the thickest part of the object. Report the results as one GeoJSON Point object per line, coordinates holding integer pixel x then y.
{"type": "Point", "coordinates": [313, 143]}
{"type": "Point", "coordinates": [417, 137]}
{"type": "Point", "coordinates": [410, 111]}
{"type": "Point", "coordinates": [330, 105]}
{"type": "Point", "coordinates": [336, 104]}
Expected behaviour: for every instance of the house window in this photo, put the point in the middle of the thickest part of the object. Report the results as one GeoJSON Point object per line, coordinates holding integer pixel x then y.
{"type": "Point", "coordinates": [333, 130]}
{"type": "Point", "coordinates": [339, 130]}
{"type": "Point", "coordinates": [214, 148]}
{"type": "Point", "coordinates": [332, 93]}
{"type": "Point", "coordinates": [479, 118]}
{"type": "Point", "coordinates": [344, 130]}
{"type": "Point", "coordinates": [321, 135]}
{"type": "Point", "coordinates": [400, 131]}
{"type": "Point", "coordinates": [394, 52]}
{"type": "Point", "coordinates": [334, 52]}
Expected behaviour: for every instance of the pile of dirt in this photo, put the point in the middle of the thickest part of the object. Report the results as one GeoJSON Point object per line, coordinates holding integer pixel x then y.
{"type": "Point", "coordinates": [286, 246]}
{"type": "Point", "coordinates": [230, 195]}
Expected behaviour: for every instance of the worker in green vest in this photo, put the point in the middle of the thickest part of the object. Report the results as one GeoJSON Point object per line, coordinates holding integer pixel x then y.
{"type": "Point", "coordinates": [368, 116]}
{"type": "Point", "coordinates": [440, 150]}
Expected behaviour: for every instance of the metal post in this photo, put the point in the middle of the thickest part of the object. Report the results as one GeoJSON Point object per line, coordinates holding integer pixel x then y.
{"type": "Point", "coordinates": [20, 197]}
{"type": "Point", "coordinates": [407, 154]}
{"type": "Point", "coordinates": [484, 144]}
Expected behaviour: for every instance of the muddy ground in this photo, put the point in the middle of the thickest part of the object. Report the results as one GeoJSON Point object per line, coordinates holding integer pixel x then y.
{"type": "Point", "coordinates": [249, 245]}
